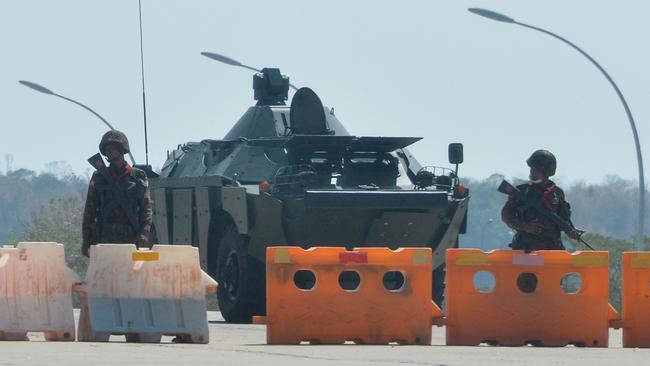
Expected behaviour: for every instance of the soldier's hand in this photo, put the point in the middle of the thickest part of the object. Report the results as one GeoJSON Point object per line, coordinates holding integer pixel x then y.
{"type": "Point", "coordinates": [142, 240]}
{"type": "Point", "coordinates": [534, 228]}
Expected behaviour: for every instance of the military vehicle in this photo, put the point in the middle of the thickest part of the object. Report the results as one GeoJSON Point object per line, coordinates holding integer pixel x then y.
{"type": "Point", "coordinates": [293, 175]}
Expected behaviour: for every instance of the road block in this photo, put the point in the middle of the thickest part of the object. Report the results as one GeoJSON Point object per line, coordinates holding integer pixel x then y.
{"type": "Point", "coordinates": [327, 295]}
{"type": "Point", "coordinates": [526, 303]}
{"type": "Point", "coordinates": [636, 299]}
{"type": "Point", "coordinates": [144, 294]}
{"type": "Point", "coordinates": [36, 292]}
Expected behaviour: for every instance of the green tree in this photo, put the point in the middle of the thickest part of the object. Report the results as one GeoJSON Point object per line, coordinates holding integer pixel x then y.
{"type": "Point", "coordinates": [485, 229]}
{"type": "Point", "coordinates": [616, 248]}
{"type": "Point", "coordinates": [24, 194]}
{"type": "Point", "coordinates": [60, 222]}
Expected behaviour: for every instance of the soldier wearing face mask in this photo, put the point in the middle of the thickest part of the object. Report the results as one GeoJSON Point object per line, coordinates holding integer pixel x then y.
{"type": "Point", "coordinates": [118, 204]}
{"type": "Point", "coordinates": [533, 231]}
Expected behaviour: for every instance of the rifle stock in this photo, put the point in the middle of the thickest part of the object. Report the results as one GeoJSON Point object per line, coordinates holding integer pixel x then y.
{"type": "Point", "coordinates": [97, 162]}
{"type": "Point", "coordinates": [506, 188]}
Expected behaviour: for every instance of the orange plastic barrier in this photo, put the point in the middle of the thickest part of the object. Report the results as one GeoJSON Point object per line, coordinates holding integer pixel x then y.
{"type": "Point", "coordinates": [388, 296]}
{"type": "Point", "coordinates": [549, 298]}
{"type": "Point", "coordinates": [636, 299]}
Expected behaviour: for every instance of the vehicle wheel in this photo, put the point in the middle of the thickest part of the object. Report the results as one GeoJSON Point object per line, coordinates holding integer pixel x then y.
{"type": "Point", "coordinates": [241, 279]}
{"type": "Point", "coordinates": [438, 285]}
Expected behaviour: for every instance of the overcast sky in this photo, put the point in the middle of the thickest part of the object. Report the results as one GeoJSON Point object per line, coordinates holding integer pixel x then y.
{"type": "Point", "coordinates": [399, 68]}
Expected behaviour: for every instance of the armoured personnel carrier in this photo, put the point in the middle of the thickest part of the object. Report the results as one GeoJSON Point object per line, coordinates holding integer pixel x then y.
{"type": "Point", "coordinates": [293, 175]}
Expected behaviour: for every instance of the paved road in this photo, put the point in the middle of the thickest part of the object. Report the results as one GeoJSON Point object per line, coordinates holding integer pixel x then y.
{"type": "Point", "coordinates": [245, 345]}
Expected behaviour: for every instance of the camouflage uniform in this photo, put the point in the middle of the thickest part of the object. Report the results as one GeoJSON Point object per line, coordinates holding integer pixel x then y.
{"type": "Point", "coordinates": [516, 214]}
{"type": "Point", "coordinates": [105, 220]}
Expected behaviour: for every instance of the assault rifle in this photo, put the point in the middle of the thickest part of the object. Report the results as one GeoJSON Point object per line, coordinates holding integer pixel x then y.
{"type": "Point", "coordinates": [566, 226]}
{"type": "Point", "coordinates": [119, 193]}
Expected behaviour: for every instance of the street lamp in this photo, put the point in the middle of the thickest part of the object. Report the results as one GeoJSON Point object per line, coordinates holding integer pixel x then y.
{"type": "Point", "coordinates": [228, 61]}
{"type": "Point", "coordinates": [505, 19]}
{"type": "Point", "coordinates": [44, 90]}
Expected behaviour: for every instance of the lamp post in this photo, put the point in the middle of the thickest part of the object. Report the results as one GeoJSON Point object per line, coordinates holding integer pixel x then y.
{"type": "Point", "coordinates": [228, 61]}
{"type": "Point", "coordinates": [44, 90]}
{"type": "Point", "coordinates": [505, 19]}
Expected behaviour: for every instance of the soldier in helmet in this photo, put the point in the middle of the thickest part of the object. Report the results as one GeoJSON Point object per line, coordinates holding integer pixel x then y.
{"type": "Point", "coordinates": [534, 232]}
{"type": "Point", "coordinates": [118, 205]}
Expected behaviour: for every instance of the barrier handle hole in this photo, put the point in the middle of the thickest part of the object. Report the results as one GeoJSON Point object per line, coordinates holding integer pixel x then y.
{"type": "Point", "coordinates": [349, 280]}
{"type": "Point", "coordinates": [484, 281]}
{"type": "Point", "coordinates": [304, 279]}
{"type": "Point", "coordinates": [393, 281]}
{"type": "Point", "coordinates": [571, 283]}
{"type": "Point", "coordinates": [527, 282]}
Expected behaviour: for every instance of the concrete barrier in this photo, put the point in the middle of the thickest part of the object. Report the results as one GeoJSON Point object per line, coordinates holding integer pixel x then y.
{"type": "Point", "coordinates": [36, 292]}
{"type": "Point", "coordinates": [144, 294]}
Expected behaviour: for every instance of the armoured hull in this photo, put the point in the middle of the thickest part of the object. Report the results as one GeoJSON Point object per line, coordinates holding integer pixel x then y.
{"type": "Point", "coordinates": [295, 176]}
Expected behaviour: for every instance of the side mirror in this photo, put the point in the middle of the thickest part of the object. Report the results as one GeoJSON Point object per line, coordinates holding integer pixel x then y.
{"type": "Point", "coordinates": [456, 153]}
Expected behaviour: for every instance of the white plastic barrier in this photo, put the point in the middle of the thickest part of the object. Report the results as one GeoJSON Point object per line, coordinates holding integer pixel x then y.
{"type": "Point", "coordinates": [36, 292]}
{"type": "Point", "coordinates": [144, 294]}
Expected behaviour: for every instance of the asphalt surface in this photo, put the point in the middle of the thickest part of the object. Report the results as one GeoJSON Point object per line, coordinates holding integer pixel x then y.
{"type": "Point", "coordinates": [232, 344]}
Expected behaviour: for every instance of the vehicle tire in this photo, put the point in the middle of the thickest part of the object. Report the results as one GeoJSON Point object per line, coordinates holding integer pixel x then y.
{"type": "Point", "coordinates": [241, 291]}
{"type": "Point", "coordinates": [438, 285]}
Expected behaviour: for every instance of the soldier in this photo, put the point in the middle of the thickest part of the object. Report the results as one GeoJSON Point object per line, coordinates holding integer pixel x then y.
{"type": "Point", "coordinates": [118, 205]}
{"type": "Point", "coordinates": [534, 232]}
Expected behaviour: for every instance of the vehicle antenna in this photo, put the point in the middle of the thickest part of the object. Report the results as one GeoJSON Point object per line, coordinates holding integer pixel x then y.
{"type": "Point", "coordinates": [144, 99]}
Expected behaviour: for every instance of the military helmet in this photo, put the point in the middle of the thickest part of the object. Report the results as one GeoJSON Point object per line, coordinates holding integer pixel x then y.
{"type": "Point", "coordinates": [543, 160]}
{"type": "Point", "coordinates": [114, 137]}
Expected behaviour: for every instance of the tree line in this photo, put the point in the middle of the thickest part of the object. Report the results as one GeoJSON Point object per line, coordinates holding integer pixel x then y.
{"type": "Point", "coordinates": [609, 209]}
{"type": "Point", "coordinates": [25, 195]}
{"type": "Point", "coordinates": [47, 207]}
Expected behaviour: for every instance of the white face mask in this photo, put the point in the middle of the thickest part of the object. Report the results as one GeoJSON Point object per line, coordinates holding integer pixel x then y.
{"type": "Point", "coordinates": [534, 181]}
